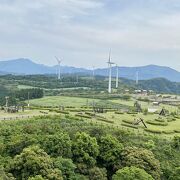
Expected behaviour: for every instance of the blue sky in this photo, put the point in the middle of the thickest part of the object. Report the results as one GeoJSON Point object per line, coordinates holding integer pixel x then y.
{"type": "Point", "coordinates": [139, 32]}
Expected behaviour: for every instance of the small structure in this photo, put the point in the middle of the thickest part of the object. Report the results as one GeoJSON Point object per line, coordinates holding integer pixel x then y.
{"type": "Point", "coordinates": [138, 121]}
{"type": "Point", "coordinates": [152, 110]}
{"type": "Point", "coordinates": [61, 108]}
{"type": "Point", "coordinates": [137, 107]}
{"type": "Point", "coordinates": [156, 103]}
{"type": "Point", "coordinates": [163, 112]}
{"type": "Point", "coordinates": [138, 91]}
{"type": "Point", "coordinates": [98, 109]}
{"type": "Point", "coordinates": [12, 109]}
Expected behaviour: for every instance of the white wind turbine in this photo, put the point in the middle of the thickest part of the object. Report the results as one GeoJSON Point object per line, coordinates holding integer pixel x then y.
{"type": "Point", "coordinates": [93, 71]}
{"type": "Point", "coordinates": [137, 77]}
{"type": "Point", "coordinates": [117, 76]}
{"type": "Point", "coordinates": [59, 67]}
{"type": "Point", "coordinates": [110, 71]}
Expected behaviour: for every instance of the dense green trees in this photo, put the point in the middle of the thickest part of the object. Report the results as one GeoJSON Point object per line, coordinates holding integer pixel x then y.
{"type": "Point", "coordinates": [60, 148]}
{"type": "Point", "coordinates": [175, 175]}
{"type": "Point", "coordinates": [31, 162]}
{"type": "Point", "coordinates": [33, 93]}
{"type": "Point", "coordinates": [132, 173]}
{"type": "Point", "coordinates": [66, 166]}
{"type": "Point", "coordinates": [110, 151]}
{"type": "Point", "coordinates": [142, 158]}
{"type": "Point", "coordinates": [57, 145]}
{"type": "Point", "coordinates": [85, 149]}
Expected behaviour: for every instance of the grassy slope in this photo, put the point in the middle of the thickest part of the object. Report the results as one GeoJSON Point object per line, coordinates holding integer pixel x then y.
{"type": "Point", "coordinates": [61, 100]}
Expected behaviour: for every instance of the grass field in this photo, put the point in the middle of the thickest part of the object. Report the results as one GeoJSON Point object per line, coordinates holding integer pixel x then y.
{"type": "Point", "coordinates": [25, 87]}
{"type": "Point", "coordinates": [116, 119]}
{"type": "Point", "coordinates": [25, 113]}
{"type": "Point", "coordinates": [61, 101]}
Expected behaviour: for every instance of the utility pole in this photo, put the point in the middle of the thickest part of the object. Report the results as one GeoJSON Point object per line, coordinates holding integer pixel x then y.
{"type": "Point", "coordinates": [28, 99]}
{"type": "Point", "coordinates": [6, 106]}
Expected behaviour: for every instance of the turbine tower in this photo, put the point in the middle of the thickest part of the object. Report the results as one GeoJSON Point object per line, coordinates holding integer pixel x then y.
{"type": "Point", "coordinates": [117, 76]}
{"type": "Point", "coordinates": [137, 77]}
{"type": "Point", "coordinates": [93, 71]}
{"type": "Point", "coordinates": [110, 73]}
{"type": "Point", "coordinates": [59, 67]}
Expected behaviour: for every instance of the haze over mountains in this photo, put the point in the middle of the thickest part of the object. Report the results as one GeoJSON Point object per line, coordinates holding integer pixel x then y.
{"type": "Point", "coordinates": [26, 66]}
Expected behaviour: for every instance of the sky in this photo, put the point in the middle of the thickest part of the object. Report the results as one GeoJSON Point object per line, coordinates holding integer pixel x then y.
{"type": "Point", "coordinates": [81, 32]}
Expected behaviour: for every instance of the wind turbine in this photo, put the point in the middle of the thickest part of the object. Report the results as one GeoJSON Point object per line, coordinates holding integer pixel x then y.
{"type": "Point", "coordinates": [93, 71]}
{"type": "Point", "coordinates": [59, 67]}
{"type": "Point", "coordinates": [137, 77]}
{"type": "Point", "coordinates": [117, 76]}
{"type": "Point", "coordinates": [110, 73]}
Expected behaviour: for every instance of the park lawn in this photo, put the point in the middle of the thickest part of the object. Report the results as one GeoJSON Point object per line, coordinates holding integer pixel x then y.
{"type": "Point", "coordinates": [25, 87]}
{"type": "Point", "coordinates": [25, 113]}
{"type": "Point", "coordinates": [54, 101]}
{"type": "Point", "coordinates": [118, 119]}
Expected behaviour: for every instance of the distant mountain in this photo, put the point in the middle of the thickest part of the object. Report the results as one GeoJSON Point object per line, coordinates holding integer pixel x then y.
{"type": "Point", "coordinates": [145, 72]}
{"type": "Point", "coordinates": [26, 66]}
{"type": "Point", "coordinates": [160, 85]}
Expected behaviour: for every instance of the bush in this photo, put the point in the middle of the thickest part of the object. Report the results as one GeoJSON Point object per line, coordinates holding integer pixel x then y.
{"type": "Point", "coordinates": [129, 125]}
{"type": "Point", "coordinates": [83, 116]}
{"type": "Point", "coordinates": [132, 173]}
{"type": "Point", "coordinates": [160, 120]}
{"type": "Point", "coordinates": [104, 120]}
{"type": "Point", "coordinates": [177, 131]}
{"type": "Point", "coordinates": [168, 132]}
{"type": "Point", "coordinates": [118, 112]}
{"type": "Point", "coordinates": [62, 112]}
{"type": "Point", "coordinates": [153, 131]}
{"type": "Point", "coordinates": [157, 123]}
{"type": "Point", "coordinates": [127, 121]}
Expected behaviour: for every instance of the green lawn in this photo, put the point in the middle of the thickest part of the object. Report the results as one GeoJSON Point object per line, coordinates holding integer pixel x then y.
{"type": "Point", "coordinates": [61, 101]}
{"type": "Point", "coordinates": [25, 87]}
{"type": "Point", "coordinates": [77, 102]}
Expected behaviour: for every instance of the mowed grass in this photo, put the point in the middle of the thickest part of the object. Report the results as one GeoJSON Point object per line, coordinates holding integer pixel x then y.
{"type": "Point", "coordinates": [25, 87]}
{"type": "Point", "coordinates": [118, 120]}
{"type": "Point", "coordinates": [55, 101]}
{"type": "Point", "coordinates": [25, 113]}
{"type": "Point", "coordinates": [78, 102]}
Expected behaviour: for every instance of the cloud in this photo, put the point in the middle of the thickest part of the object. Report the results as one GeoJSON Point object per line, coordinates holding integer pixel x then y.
{"type": "Point", "coordinates": [139, 32]}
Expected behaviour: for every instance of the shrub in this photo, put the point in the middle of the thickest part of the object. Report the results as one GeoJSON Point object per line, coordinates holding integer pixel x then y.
{"type": "Point", "coordinates": [127, 121]}
{"type": "Point", "coordinates": [157, 123]}
{"type": "Point", "coordinates": [129, 125]}
{"type": "Point", "coordinates": [153, 131]}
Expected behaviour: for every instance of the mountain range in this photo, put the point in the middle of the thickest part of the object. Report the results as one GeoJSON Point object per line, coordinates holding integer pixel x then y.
{"type": "Point", "coordinates": [26, 66]}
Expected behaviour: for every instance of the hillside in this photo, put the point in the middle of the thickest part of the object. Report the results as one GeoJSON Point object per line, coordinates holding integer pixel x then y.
{"type": "Point", "coordinates": [160, 85]}
{"type": "Point", "coordinates": [26, 66]}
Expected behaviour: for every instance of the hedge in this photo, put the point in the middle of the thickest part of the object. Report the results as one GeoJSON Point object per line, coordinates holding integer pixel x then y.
{"type": "Point", "coordinates": [104, 120]}
{"type": "Point", "coordinates": [83, 116]}
{"type": "Point", "coordinates": [153, 131]}
{"type": "Point", "coordinates": [170, 120]}
{"type": "Point", "coordinates": [117, 112]}
{"type": "Point", "coordinates": [160, 120]}
{"type": "Point", "coordinates": [127, 121]}
{"type": "Point", "coordinates": [168, 131]}
{"type": "Point", "coordinates": [62, 112]}
{"type": "Point", "coordinates": [177, 131]}
{"type": "Point", "coordinates": [129, 125]}
{"type": "Point", "coordinates": [157, 123]}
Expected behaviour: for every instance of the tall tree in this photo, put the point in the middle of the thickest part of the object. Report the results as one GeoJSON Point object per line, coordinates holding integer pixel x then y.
{"type": "Point", "coordinates": [33, 161]}
{"type": "Point", "coordinates": [85, 149]}
{"type": "Point", "coordinates": [142, 158]}
{"type": "Point", "coordinates": [132, 173]}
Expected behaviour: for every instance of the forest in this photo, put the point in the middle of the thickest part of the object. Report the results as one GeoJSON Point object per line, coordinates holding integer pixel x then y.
{"type": "Point", "coordinates": [69, 148]}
